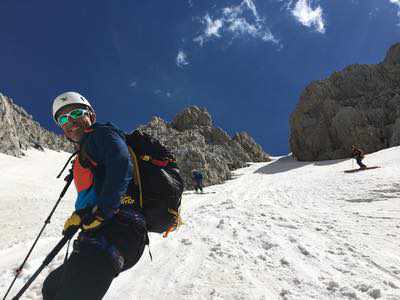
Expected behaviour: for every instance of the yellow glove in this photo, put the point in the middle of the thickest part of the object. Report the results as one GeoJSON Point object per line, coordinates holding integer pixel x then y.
{"type": "Point", "coordinates": [86, 219]}
{"type": "Point", "coordinates": [94, 222]}
{"type": "Point", "coordinates": [72, 224]}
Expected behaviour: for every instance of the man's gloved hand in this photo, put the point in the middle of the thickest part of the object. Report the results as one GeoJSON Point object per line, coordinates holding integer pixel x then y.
{"type": "Point", "coordinates": [93, 220]}
{"type": "Point", "coordinates": [72, 224]}
{"type": "Point", "coordinates": [87, 219]}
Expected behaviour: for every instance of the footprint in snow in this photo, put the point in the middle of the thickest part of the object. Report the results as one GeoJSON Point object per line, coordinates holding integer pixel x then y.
{"type": "Point", "coordinates": [284, 293]}
{"type": "Point", "coordinates": [226, 202]}
{"type": "Point", "coordinates": [229, 204]}
{"type": "Point", "coordinates": [303, 250]}
{"type": "Point", "coordinates": [251, 238]}
{"type": "Point", "coordinates": [207, 240]}
{"type": "Point", "coordinates": [267, 245]}
{"type": "Point", "coordinates": [375, 293]}
{"type": "Point", "coordinates": [262, 257]}
{"type": "Point", "coordinates": [296, 281]}
{"type": "Point", "coordinates": [348, 292]}
{"type": "Point", "coordinates": [341, 270]}
{"type": "Point", "coordinates": [220, 224]}
{"type": "Point", "coordinates": [235, 233]}
{"type": "Point", "coordinates": [391, 284]}
{"type": "Point", "coordinates": [186, 242]}
{"type": "Point", "coordinates": [216, 250]}
{"type": "Point", "coordinates": [395, 270]}
{"type": "Point", "coordinates": [284, 262]}
{"type": "Point", "coordinates": [287, 225]}
{"type": "Point", "coordinates": [338, 251]}
{"type": "Point", "coordinates": [332, 286]}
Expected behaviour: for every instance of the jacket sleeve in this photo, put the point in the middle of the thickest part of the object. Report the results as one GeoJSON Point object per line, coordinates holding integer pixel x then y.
{"type": "Point", "coordinates": [109, 150]}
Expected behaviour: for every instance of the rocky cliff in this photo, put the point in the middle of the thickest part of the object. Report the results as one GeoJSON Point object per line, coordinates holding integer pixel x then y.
{"type": "Point", "coordinates": [18, 131]}
{"type": "Point", "coordinates": [197, 144]}
{"type": "Point", "coordinates": [359, 105]}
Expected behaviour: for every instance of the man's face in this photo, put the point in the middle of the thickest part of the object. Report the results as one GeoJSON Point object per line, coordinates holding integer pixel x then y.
{"type": "Point", "coordinates": [74, 129]}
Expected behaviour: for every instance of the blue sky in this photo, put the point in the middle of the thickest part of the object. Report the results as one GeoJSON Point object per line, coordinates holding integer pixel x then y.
{"type": "Point", "coordinates": [246, 61]}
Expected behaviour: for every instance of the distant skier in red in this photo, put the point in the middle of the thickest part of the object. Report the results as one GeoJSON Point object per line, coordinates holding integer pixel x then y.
{"type": "Point", "coordinates": [358, 154]}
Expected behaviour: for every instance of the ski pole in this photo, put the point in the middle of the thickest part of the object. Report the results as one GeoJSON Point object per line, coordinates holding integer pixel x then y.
{"type": "Point", "coordinates": [47, 260]}
{"type": "Point", "coordinates": [68, 179]}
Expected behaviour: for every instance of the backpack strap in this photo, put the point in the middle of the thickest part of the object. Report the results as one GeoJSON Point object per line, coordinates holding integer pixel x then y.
{"type": "Point", "coordinates": [158, 162]}
{"type": "Point", "coordinates": [137, 180]}
{"type": "Point", "coordinates": [84, 158]}
{"type": "Point", "coordinates": [136, 174]}
{"type": "Point", "coordinates": [66, 164]}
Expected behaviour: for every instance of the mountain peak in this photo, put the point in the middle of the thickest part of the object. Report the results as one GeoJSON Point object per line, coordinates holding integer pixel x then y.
{"type": "Point", "coordinates": [393, 55]}
{"type": "Point", "coordinates": [191, 118]}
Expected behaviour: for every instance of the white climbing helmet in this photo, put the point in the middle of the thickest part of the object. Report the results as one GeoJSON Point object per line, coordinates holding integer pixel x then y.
{"type": "Point", "coordinates": [68, 98]}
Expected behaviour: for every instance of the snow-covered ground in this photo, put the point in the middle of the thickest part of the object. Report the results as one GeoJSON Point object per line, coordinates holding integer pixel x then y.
{"type": "Point", "coordinates": [278, 230]}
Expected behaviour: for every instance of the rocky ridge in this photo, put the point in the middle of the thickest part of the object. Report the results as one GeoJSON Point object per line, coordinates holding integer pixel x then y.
{"type": "Point", "coordinates": [197, 144]}
{"type": "Point", "coordinates": [18, 131]}
{"type": "Point", "coordinates": [359, 105]}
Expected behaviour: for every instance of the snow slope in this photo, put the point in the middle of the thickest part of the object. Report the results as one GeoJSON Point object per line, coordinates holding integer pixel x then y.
{"type": "Point", "coordinates": [278, 230]}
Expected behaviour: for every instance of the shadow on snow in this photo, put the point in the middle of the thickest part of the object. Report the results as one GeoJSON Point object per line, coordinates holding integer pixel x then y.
{"type": "Point", "coordinates": [287, 163]}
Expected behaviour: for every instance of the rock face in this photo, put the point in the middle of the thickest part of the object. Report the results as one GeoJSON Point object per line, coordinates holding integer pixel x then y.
{"type": "Point", "coordinates": [199, 145]}
{"type": "Point", "coordinates": [18, 131]}
{"type": "Point", "coordinates": [359, 105]}
{"type": "Point", "coordinates": [255, 151]}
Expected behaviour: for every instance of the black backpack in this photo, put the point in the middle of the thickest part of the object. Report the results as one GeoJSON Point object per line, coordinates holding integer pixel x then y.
{"type": "Point", "coordinates": [157, 180]}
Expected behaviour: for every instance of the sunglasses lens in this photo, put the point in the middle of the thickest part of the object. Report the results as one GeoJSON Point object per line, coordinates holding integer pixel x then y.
{"type": "Point", "coordinates": [62, 120]}
{"type": "Point", "coordinates": [77, 113]}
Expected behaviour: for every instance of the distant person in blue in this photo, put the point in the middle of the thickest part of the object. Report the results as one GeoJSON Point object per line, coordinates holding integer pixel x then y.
{"type": "Point", "coordinates": [197, 178]}
{"type": "Point", "coordinates": [113, 232]}
{"type": "Point", "coordinates": [358, 155]}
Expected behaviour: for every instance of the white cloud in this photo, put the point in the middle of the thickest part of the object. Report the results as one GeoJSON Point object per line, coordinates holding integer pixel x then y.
{"type": "Point", "coordinates": [373, 13]}
{"type": "Point", "coordinates": [241, 26]}
{"type": "Point", "coordinates": [133, 84]}
{"type": "Point", "coordinates": [181, 59]}
{"type": "Point", "coordinates": [252, 7]}
{"type": "Point", "coordinates": [309, 17]}
{"type": "Point", "coordinates": [237, 21]}
{"type": "Point", "coordinates": [163, 94]}
{"type": "Point", "coordinates": [212, 29]}
{"type": "Point", "coordinates": [396, 2]}
{"type": "Point", "coordinates": [199, 39]}
{"type": "Point", "coordinates": [213, 26]}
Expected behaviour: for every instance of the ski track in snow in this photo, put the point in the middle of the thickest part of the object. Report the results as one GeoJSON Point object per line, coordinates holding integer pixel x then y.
{"type": "Point", "coordinates": [278, 230]}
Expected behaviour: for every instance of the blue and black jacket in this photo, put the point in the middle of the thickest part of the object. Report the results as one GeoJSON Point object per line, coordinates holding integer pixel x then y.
{"type": "Point", "coordinates": [103, 170]}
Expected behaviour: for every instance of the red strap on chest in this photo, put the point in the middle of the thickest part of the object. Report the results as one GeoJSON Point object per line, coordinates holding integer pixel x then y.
{"type": "Point", "coordinates": [160, 163]}
{"type": "Point", "coordinates": [156, 162]}
{"type": "Point", "coordinates": [83, 178]}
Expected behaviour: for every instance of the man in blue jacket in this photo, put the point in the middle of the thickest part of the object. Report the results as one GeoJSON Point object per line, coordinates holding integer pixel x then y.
{"type": "Point", "coordinates": [197, 178]}
{"type": "Point", "coordinates": [113, 232]}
